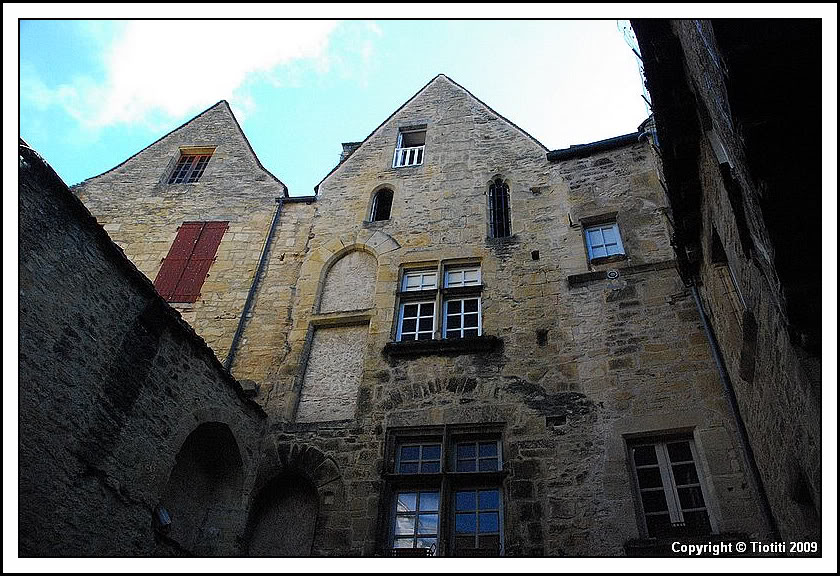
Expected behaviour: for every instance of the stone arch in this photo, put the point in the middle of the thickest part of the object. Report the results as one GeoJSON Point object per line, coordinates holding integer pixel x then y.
{"type": "Point", "coordinates": [204, 490]}
{"type": "Point", "coordinates": [294, 480]}
{"type": "Point", "coordinates": [348, 280]}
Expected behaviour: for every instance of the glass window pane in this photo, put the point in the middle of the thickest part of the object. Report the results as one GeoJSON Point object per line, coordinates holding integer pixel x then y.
{"type": "Point", "coordinates": [427, 524]}
{"type": "Point", "coordinates": [408, 468]}
{"type": "Point", "coordinates": [406, 501]}
{"type": "Point", "coordinates": [470, 332]}
{"type": "Point", "coordinates": [465, 466]}
{"type": "Point", "coordinates": [471, 276]}
{"type": "Point", "coordinates": [465, 500]}
{"type": "Point", "coordinates": [450, 334]}
{"type": "Point", "coordinates": [409, 336]}
{"type": "Point", "coordinates": [654, 501]}
{"type": "Point", "coordinates": [454, 278]}
{"type": "Point", "coordinates": [404, 542]}
{"type": "Point", "coordinates": [453, 307]}
{"type": "Point", "coordinates": [404, 526]}
{"type": "Point", "coordinates": [412, 282]}
{"type": "Point", "coordinates": [488, 499]}
{"type": "Point", "coordinates": [643, 455]}
{"type": "Point", "coordinates": [453, 322]}
{"type": "Point", "coordinates": [431, 452]}
{"type": "Point", "coordinates": [691, 497]}
{"type": "Point", "coordinates": [427, 309]}
{"type": "Point", "coordinates": [487, 449]}
{"type": "Point", "coordinates": [425, 324]}
{"type": "Point", "coordinates": [429, 501]}
{"type": "Point", "coordinates": [430, 467]}
{"type": "Point", "coordinates": [488, 464]}
{"type": "Point", "coordinates": [685, 474]}
{"type": "Point", "coordinates": [466, 450]}
{"type": "Point", "coordinates": [679, 452]}
{"type": "Point", "coordinates": [471, 305]}
{"type": "Point", "coordinates": [425, 336]}
{"type": "Point", "coordinates": [465, 523]}
{"type": "Point", "coordinates": [609, 235]}
{"type": "Point", "coordinates": [488, 522]}
{"type": "Point", "coordinates": [649, 477]}
{"type": "Point", "coordinates": [409, 325]}
{"type": "Point", "coordinates": [470, 320]}
{"type": "Point", "coordinates": [410, 311]}
{"type": "Point", "coordinates": [426, 542]}
{"type": "Point", "coordinates": [410, 453]}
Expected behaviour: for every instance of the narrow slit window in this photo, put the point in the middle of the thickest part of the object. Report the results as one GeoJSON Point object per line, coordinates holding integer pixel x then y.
{"type": "Point", "coordinates": [499, 209]}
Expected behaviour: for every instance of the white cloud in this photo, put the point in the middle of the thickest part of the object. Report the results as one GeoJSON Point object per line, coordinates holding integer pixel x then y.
{"type": "Point", "coordinates": [171, 68]}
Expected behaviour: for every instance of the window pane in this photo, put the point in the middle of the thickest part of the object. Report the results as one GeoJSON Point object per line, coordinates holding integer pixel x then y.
{"type": "Point", "coordinates": [425, 325]}
{"type": "Point", "coordinates": [488, 464]}
{"type": "Point", "coordinates": [409, 336]}
{"type": "Point", "coordinates": [609, 235]}
{"type": "Point", "coordinates": [453, 322]}
{"type": "Point", "coordinates": [643, 455]}
{"type": "Point", "coordinates": [410, 311]}
{"type": "Point", "coordinates": [424, 336]}
{"type": "Point", "coordinates": [410, 453]}
{"type": "Point", "coordinates": [408, 467]}
{"type": "Point", "coordinates": [427, 524]}
{"type": "Point", "coordinates": [649, 477]}
{"type": "Point", "coordinates": [427, 309]}
{"type": "Point", "coordinates": [471, 276]}
{"type": "Point", "coordinates": [654, 501]}
{"type": "Point", "coordinates": [685, 474]}
{"type": "Point", "coordinates": [404, 526]}
{"type": "Point", "coordinates": [471, 305]}
{"type": "Point", "coordinates": [426, 542]}
{"type": "Point", "coordinates": [470, 320]}
{"type": "Point", "coordinates": [465, 500]}
{"type": "Point", "coordinates": [409, 325]}
{"type": "Point", "coordinates": [487, 449]}
{"type": "Point", "coordinates": [454, 278]}
{"type": "Point", "coordinates": [466, 451]}
{"type": "Point", "coordinates": [599, 252]}
{"type": "Point", "coordinates": [430, 467]}
{"type": "Point", "coordinates": [431, 452]}
{"type": "Point", "coordinates": [679, 452]}
{"type": "Point", "coordinates": [453, 334]}
{"type": "Point", "coordinates": [465, 466]}
{"type": "Point", "coordinates": [429, 501]}
{"type": "Point", "coordinates": [488, 499]}
{"type": "Point", "coordinates": [471, 333]}
{"type": "Point", "coordinates": [465, 523]}
{"type": "Point", "coordinates": [412, 282]}
{"type": "Point", "coordinates": [453, 307]}
{"type": "Point", "coordinates": [404, 542]}
{"type": "Point", "coordinates": [697, 522]}
{"type": "Point", "coordinates": [691, 497]}
{"type": "Point", "coordinates": [406, 502]}
{"type": "Point", "coordinates": [488, 522]}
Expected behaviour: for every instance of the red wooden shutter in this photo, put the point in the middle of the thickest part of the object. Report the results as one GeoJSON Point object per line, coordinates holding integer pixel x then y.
{"type": "Point", "coordinates": [176, 261]}
{"type": "Point", "coordinates": [204, 252]}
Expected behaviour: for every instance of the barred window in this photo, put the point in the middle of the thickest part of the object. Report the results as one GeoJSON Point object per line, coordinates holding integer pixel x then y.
{"type": "Point", "coordinates": [499, 209]}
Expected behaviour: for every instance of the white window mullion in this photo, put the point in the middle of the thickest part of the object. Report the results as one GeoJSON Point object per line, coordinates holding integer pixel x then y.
{"type": "Point", "coordinates": [668, 483]}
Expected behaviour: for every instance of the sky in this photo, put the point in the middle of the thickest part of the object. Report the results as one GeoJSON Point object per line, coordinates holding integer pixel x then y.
{"type": "Point", "coordinates": [93, 93]}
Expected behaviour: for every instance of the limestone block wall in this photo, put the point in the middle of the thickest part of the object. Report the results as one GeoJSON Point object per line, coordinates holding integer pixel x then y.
{"type": "Point", "coordinates": [112, 384]}
{"type": "Point", "coordinates": [142, 213]}
{"type": "Point", "coordinates": [576, 363]}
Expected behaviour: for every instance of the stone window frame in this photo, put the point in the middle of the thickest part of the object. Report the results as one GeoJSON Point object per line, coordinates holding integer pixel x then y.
{"type": "Point", "coordinates": [446, 483]}
{"type": "Point", "coordinates": [375, 204]}
{"type": "Point", "coordinates": [669, 483]}
{"type": "Point", "coordinates": [601, 221]}
{"type": "Point", "coordinates": [440, 294]}
{"type": "Point", "coordinates": [493, 219]}
{"type": "Point", "coordinates": [190, 165]}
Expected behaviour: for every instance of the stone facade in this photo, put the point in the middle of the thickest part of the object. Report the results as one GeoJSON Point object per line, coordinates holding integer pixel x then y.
{"type": "Point", "coordinates": [579, 360]}
{"type": "Point", "coordinates": [747, 212]}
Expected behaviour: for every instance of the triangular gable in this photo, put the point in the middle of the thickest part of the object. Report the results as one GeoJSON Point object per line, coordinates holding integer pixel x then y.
{"type": "Point", "coordinates": [406, 103]}
{"type": "Point", "coordinates": [191, 120]}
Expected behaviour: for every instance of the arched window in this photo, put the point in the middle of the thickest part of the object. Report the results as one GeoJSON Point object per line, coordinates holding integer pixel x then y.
{"type": "Point", "coordinates": [499, 201]}
{"type": "Point", "coordinates": [381, 207]}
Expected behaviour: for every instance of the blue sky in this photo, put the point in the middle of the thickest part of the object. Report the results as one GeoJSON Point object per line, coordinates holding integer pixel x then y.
{"type": "Point", "coordinates": [95, 92]}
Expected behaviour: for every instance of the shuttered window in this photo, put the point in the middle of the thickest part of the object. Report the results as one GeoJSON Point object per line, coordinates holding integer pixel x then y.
{"type": "Point", "coordinates": [185, 267]}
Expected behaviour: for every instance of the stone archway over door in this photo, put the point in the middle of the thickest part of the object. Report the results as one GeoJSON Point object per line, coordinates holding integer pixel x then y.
{"type": "Point", "coordinates": [283, 518]}
{"type": "Point", "coordinates": [204, 491]}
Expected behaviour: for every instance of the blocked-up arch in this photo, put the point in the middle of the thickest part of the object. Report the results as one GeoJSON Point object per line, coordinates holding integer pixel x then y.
{"type": "Point", "coordinates": [349, 283]}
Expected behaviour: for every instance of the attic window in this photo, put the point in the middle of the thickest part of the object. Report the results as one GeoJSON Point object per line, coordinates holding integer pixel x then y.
{"type": "Point", "coordinates": [190, 166]}
{"type": "Point", "coordinates": [381, 208]}
{"type": "Point", "coordinates": [411, 146]}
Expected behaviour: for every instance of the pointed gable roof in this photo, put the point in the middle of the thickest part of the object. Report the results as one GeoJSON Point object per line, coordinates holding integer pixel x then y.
{"type": "Point", "coordinates": [407, 102]}
{"type": "Point", "coordinates": [221, 103]}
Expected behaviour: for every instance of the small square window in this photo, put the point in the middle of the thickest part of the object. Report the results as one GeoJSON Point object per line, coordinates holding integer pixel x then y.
{"type": "Point", "coordinates": [603, 241]}
{"type": "Point", "coordinates": [457, 277]}
{"type": "Point", "coordinates": [417, 321]}
{"type": "Point", "coordinates": [419, 280]}
{"type": "Point", "coordinates": [189, 168]}
{"type": "Point", "coordinates": [462, 317]}
{"type": "Point", "coordinates": [411, 146]}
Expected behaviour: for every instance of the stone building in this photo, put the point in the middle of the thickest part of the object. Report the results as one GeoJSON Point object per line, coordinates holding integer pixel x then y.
{"type": "Point", "coordinates": [463, 344]}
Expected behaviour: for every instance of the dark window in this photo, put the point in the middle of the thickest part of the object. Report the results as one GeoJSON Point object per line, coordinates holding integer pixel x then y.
{"type": "Point", "coordinates": [381, 208]}
{"type": "Point", "coordinates": [499, 206]}
{"type": "Point", "coordinates": [184, 269]}
{"type": "Point", "coordinates": [189, 168]}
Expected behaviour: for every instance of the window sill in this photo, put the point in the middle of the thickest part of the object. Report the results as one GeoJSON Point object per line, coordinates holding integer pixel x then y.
{"type": "Point", "coordinates": [414, 348]}
{"type": "Point", "coordinates": [608, 259]}
{"type": "Point", "coordinates": [575, 280]}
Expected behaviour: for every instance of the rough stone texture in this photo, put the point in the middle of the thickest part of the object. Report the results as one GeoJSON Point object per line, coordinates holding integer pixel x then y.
{"type": "Point", "coordinates": [350, 283]}
{"type": "Point", "coordinates": [770, 350]}
{"type": "Point", "coordinates": [113, 383]}
{"type": "Point", "coordinates": [333, 373]}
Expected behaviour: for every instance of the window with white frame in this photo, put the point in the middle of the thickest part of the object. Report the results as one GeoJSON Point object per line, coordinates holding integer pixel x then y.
{"type": "Point", "coordinates": [411, 147]}
{"type": "Point", "coordinates": [417, 321]}
{"type": "Point", "coordinates": [456, 277]}
{"type": "Point", "coordinates": [462, 318]}
{"type": "Point", "coordinates": [441, 504]}
{"type": "Point", "coordinates": [603, 240]}
{"type": "Point", "coordinates": [419, 280]}
{"type": "Point", "coordinates": [670, 487]}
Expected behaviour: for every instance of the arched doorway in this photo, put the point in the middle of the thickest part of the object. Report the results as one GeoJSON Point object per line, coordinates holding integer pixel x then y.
{"type": "Point", "coordinates": [283, 517]}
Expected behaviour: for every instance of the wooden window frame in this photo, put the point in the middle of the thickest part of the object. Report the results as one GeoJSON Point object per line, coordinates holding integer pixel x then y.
{"type": "Point", "coordinates": [190, 166]}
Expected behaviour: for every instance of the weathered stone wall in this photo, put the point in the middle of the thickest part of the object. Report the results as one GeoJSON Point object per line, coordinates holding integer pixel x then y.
{"type": "Point", "coordinates": [349, 283]}
{"type": "Point", "coordinates": [142, 213]}
{"type": "Point", "coordinates": [112, 384]}
{"type": "Point", "coordinates": [583, 361]}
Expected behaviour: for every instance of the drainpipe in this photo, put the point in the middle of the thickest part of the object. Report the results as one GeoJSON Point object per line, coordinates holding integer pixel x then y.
{"type": "Point", "coordinates": [740, 429]}
{"type": "Point", "coordinates": [239, 329]}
